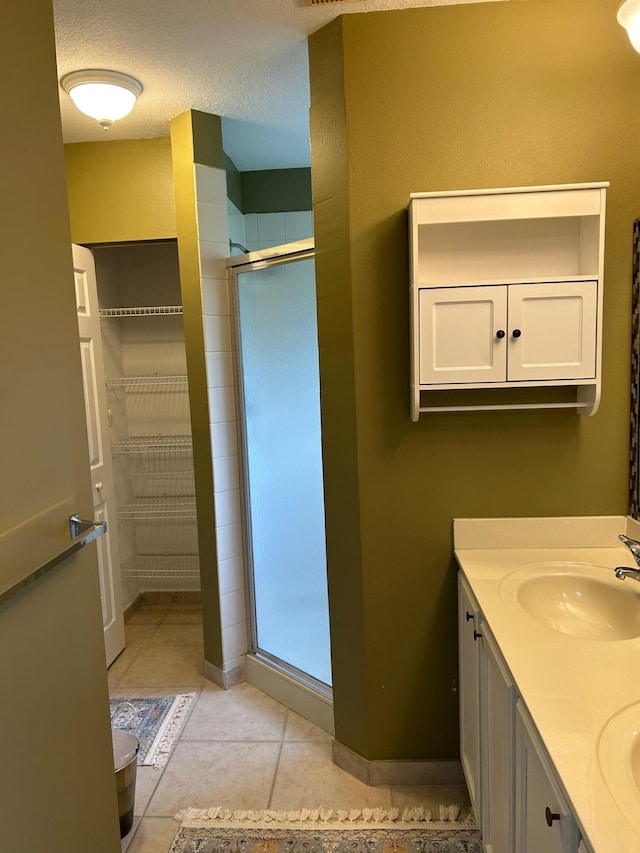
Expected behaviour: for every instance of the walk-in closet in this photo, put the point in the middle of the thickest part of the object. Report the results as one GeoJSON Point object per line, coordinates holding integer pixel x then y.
{"type": "Point", "coordinates": [149, 424]}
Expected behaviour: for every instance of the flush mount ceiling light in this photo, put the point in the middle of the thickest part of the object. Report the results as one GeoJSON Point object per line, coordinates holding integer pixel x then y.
{"type": "Point", "coordinates": [629, 18]}
{"type": "Point", "coordinates": [106, 96]}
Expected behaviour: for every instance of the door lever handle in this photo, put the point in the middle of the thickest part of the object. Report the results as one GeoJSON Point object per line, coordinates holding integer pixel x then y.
{"type": "Point", "coordinates": [79, 526]}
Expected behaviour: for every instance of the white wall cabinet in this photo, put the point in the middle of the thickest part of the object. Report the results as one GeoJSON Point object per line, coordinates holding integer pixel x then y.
{"type": "Point", "coordinates": [506, 292]}
{"type": "Point", "coordinates": [514, 793]}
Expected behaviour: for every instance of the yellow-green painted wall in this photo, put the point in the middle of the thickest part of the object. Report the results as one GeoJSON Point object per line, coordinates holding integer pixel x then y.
{"type": "Point", "coordinates": [469, 96]}
{"type": "Point", "coordinates": [120, 190]}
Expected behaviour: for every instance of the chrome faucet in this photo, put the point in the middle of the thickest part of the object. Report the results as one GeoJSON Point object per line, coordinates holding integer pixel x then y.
{"type": "Point", "coordinates": [623, 572]}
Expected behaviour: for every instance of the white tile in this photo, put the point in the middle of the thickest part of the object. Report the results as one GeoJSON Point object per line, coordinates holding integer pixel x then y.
{"type": "Point", "coordinates": [271, 228]}
{"type": "Point", "coordinates": [234, 641]}
{"type": "Point", "coordinates": [226, 474]}
{"type": "Point", "coordinates": [298, 225]}
{"type": "Point", "coordinates": [231, 575]}
{"type": "Point", "coordinates": [212, 222]}
{"type": "Point", "coordinates": [219, 370]}
{"type": "Point", "coordinates": [217, 334]}
{"type": "Point", "coordinates": [228, 506]}
{"type": "Point", "coordinates": [233, 608]}
{"type": "Point", "coordinates": [213, 254]}
{"type": "Point", "coordinates": [251, 227]}
{"type": "Point", "coordinates": [215, 297]}
{"type": "Point", "coordinates": [211, 184]}
{"type": "Point", "coordinates": [229, 542]}
{"type": "Point", "coordinates": [224, 438]}
{"type": "Point", "coordinates": [222, 405]}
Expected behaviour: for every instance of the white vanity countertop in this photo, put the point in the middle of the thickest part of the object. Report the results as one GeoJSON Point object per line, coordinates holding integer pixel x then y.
{"type": "Point", "coordinates": [570, 686]}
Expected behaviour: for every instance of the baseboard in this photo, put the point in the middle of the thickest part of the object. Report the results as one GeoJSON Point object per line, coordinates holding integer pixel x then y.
{"type": "Point", "coordinates": [397, 772]}
{"type": "Point", "coordinates": [222, 678]}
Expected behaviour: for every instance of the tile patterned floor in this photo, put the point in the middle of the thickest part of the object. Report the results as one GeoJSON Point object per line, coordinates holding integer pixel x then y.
{"type": "Point", "coordinates": [238, 748]}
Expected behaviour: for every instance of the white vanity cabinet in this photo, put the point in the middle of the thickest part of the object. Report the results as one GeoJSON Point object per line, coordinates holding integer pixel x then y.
{"type": "Point", "coordinates": [514, 793]}
{"type": "Point", "coordinates": [497, 741]}
{"type": "Point", "coordinates": [469, 686]}
{"type": "Point", "coordinates": [543, 820]}
{"type": "Point", "coordinates": [486, 726]}
{"type": "Point", "coordinates": [506, 293]}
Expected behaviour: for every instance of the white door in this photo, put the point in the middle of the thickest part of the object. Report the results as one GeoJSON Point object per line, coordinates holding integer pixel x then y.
{"type": "Point", "coordinates": [463, 334]}
{"type": "Point", "coordinates": [99, 450]}
{"type": "Point", "coordinates": [552, 330]}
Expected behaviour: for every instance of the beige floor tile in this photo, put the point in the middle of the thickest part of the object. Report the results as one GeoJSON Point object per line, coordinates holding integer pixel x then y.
{"type": "Point", "coordinates": [170, 634]}
{"type": "Point", "coordinates": [148, 615]}
{"type": "Point", "coordinates": [120, 666]}
{"type": "Point", "coordinates": [147, 779]}
{"type": "Point", "coordinates": [431, 797]}
{"type": "Point", "coordinates": [201, 775]}
{"type": "Point", "coordinates": [139, 635]}
{"type": "Point", "coordinates": [308, 778]}
{"type": "Point", "coordinates": [241, 713]}
{"type": "Point", "coordinates": [166, 667]}
{"type": "Point", "coordinates": [153, 835]}
{"type": "Point", "coordinates": [298, 728]}
{"type": "Point", "coordinates": [188, 614]}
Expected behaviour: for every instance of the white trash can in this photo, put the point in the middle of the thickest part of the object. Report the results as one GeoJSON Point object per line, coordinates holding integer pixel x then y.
{"type": "Point", "coordinates": [125, 757]}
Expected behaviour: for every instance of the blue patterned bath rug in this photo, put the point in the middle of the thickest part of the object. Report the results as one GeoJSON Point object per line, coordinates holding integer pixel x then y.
{"type": "Point", "coordinates": [256, 835]}
{"type": "Point", "coordinates": [155, 720]}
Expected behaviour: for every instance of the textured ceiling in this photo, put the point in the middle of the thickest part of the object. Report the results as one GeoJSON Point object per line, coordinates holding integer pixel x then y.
{"type": "Point", "coordinates": [245, 60]}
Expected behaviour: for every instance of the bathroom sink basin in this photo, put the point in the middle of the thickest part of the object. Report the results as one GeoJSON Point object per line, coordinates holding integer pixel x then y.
{"type": "Point", "coordinates": [619, 760]}
{"type": "Point", "coordinates": [579, 599]}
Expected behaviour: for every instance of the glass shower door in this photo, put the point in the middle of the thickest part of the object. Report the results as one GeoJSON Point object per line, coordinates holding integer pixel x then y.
{"type": "Point", "coordinates": [285, 501]}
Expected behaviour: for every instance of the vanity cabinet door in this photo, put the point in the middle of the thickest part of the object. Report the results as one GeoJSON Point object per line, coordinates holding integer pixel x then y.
{"type": "Point", "coordinates": [497, 723]}
{"type": "Point", "coordinates": [469, 678]}
{"type": "Point", "coordinates": [543, 820]}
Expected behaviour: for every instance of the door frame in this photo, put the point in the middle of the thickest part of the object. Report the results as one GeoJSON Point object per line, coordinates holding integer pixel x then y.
{"type": "Point", "coordinates": [297, 690]}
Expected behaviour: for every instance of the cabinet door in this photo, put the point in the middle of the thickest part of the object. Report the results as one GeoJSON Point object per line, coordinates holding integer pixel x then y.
{"type": "Point", "coordinates": [497, 724]}
{"type": "Point", "coordinates": [543, 820]}
{"type": "Point", "coordinates": [469, 660]}
{"type": "Point", "coordinates": [552, 331]}
{"type": "Point", "coordinates": [460, 338]}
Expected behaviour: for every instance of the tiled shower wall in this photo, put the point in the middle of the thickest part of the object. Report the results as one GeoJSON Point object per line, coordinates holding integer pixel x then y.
{"type": "Point", "coordinates": [263, 230]}
{"type": "Point", "coordinates": [213, 242]}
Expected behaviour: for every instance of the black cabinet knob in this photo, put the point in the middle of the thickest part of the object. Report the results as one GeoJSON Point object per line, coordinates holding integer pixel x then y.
{"type": "Point", "coordinates": [550, 816]}
{"type": "Point", "coordinates": [516, 333]}
{"type": "Point", "coordinates": [476, 635]}
{"type": "Point", "coordinates": [469, 616]}
{"type": "Point", "coordinates": [500, 334]}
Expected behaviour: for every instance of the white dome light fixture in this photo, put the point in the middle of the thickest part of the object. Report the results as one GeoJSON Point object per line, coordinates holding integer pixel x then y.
{"type": "Point", "coordinates": [103, 95]}
{"type": "Point", "coordinates": [629, 18]}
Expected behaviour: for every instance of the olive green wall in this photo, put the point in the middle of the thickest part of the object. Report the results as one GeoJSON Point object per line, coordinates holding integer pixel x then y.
{"type": "Point", "coordinates": [483, 95]}
{"type": "Point", "coordinates": [197, 138]}
{"type": "Point", "coordinates": [120, 190]}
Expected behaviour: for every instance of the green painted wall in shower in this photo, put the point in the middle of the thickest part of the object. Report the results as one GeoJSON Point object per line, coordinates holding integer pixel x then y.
{"type": "Point", "coordinates": [441, 98]}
